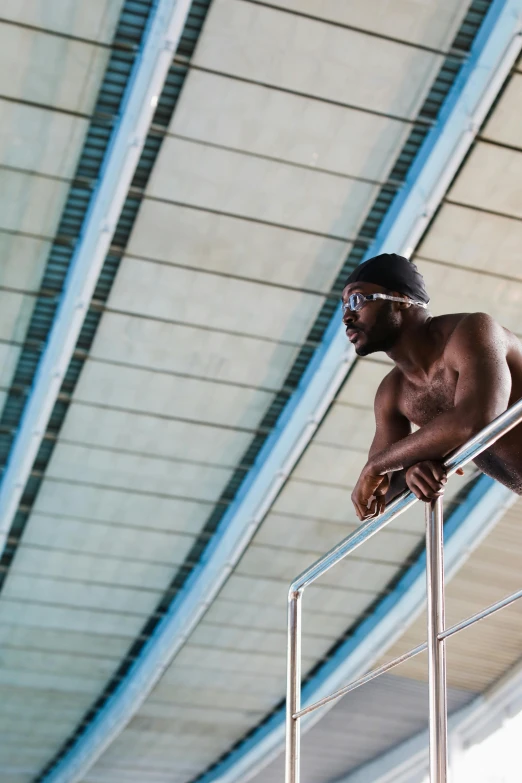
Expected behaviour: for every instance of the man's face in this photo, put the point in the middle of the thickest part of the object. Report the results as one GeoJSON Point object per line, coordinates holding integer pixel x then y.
{"type": "Point", "coordinates": [376, 326]}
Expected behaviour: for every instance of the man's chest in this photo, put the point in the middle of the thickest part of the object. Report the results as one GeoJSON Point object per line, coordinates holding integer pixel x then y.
{"type": "Point", "coordinates": [421, 402]}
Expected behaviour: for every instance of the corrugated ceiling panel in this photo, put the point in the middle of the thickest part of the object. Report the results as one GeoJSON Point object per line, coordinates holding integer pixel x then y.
{"type": "Point", "coordinates": [94, 20]}
{"type": "Point", "coordinates": [167, 395]}
{"type": "Point", "coordinates": [111, 505]}
{"type": "Point", "coordinates": [136, 473]}
{"type": "Point", "coordinates": [40, 140]}
{"type": "Point", "coordinates": [235, 246]}
{"type": "Point", "coordinates": [153, 436]}
{"type": "Point", "coordinates": [212, 354]}
{"type": "Point", "coordinates": [476, 240]}
{"type": "Point", "coordinates": [23, 260]}
{"type": "Point", "coordinates": [490, 180]}
{"type": "Point", "coordinates": [162, 291]}
{"type": "Point", "coordinates": [260, 189]}
{"type": "Point", "coordinates": [314, 58]}
{"type": "Point", "coordinates": [51, 70]}
{"type": "Point", "coordinates": [504, 126]}
{"type": "Point", "coordinates": [427, 24]}
{"type": "Point", "coordinates": [296, 129]}
{"type": "Point", "coordinates": [31, 204]}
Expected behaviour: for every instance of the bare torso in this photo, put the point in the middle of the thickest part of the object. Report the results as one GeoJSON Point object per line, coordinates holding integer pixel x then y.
{"type": "Point", "coordinates": [421, 401]}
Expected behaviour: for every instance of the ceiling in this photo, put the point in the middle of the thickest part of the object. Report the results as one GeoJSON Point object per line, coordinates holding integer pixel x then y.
{"type": "Point", "coordinates": [281, 137]}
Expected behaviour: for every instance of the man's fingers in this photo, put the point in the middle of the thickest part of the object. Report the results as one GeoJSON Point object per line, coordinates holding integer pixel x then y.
{"type": "Point", "coordinates": [438, 470]}
{"type": "Point", "coordinates": [422, 490]}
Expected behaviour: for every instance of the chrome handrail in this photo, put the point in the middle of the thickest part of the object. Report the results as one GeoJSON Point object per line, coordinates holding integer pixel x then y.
{"type": "Point", "coordinates": [436, 634]}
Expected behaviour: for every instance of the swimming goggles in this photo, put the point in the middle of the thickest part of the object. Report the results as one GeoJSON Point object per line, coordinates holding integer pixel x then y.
{"type": "Point", "coordinates": [357, 301]}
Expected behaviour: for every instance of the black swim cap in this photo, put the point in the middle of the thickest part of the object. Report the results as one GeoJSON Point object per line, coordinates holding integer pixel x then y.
{"type": "Point", "coordinates": [393, 272]}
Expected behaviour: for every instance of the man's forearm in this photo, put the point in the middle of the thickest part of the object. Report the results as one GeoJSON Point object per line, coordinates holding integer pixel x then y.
{"type": "Point", "coordinates": [434, 441]}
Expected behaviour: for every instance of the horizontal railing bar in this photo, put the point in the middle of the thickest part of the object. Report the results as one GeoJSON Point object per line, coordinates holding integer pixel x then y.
{"type": "Point", "coordinates": [361, 681]}
{"type": "Point", "coordinates": [475, 446]}
{"type": "Point", "coordinates": [475, 618]}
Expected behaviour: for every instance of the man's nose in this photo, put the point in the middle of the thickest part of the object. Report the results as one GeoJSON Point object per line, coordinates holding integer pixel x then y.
{"type": "Point", "coordinates": [349, 317]}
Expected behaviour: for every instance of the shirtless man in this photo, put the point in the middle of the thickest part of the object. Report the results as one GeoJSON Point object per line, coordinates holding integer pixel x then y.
{"type": "Point", "coordinates": [453, 374]}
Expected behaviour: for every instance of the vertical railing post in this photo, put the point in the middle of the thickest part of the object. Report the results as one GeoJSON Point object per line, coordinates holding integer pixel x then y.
{"type": "Point", "coordinates": [436, 648]}
{"type": "Point", "coordinates": [293, 688]}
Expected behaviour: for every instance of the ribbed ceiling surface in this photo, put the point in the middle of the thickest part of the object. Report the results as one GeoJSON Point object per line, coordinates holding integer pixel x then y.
{"type": "Point", "coordinates": [269, 174]}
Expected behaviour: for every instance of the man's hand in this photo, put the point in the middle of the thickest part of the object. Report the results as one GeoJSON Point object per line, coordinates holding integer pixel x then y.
{"type": "Point", "coordinates": [369, 492]}
{"type": "Point", "coordinates": [427, 479]}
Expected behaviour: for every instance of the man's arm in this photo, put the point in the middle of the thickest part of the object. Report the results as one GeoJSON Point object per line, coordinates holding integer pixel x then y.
{"type": "Point", "coordinates": [390, 426]}
{"type": "Point", "coordinates": [477, 352]}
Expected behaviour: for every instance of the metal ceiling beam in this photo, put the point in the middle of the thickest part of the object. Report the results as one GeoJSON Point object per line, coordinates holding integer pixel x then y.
{"type": "Point", "coordinates": [493, 54]}
{"type": "Point", "coordinates": [146, 81]}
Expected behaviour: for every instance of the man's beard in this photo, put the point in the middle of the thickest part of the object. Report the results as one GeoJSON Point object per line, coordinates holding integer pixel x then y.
{"type": "Point", "coordinates": [383, 334]}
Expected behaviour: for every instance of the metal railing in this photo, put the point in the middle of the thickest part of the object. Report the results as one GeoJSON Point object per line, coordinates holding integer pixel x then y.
{"type": "Point", "coordinates": [437, 633]}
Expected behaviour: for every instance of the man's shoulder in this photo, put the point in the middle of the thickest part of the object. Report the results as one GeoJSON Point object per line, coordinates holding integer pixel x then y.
{"type": "Point", "coordinates": [470, 331]}
{"type": "Point", "coordinates": [453, 327]}
{"type": "Point", "coordinates": [390, 385]}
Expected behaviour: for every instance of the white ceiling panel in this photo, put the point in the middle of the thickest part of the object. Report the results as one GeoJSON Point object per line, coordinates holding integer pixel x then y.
{"type": "Point", "coordinates": [23, 261]}
{"type": "Point", "coordinates": [8, 359]}
{"type": "Point", "coordinates": [197, 352]}
{"type": "Point", "coordinates": [225, 637]}
{"type": "Point", "coordinates": [318, 536]}
{"type": "Point", "coordinates": [224, 111]}
{"type": "Point", "coordinates": [158, 710]}
{"type": "Point", "coordinates": [71, 643]}
{"type": "Point", "coordinates": [40, 140]}
{"type": "Point", "coordinates": [120, 541]}
{"type": "Point", "coordinates": [235, 246]}
{"type": "Point", "coordinates": [137, 473]}
{"type": "Point", "coordinates": [193, 677]}
{"type": "Point", "coordinates": [170, 396]}
{"type": "Point", "coordinates": [257, 188]}
{"type": "Point", "coordinates": [140, 434]}
{"type": "Point", "coordinates": [504, 126]}
{"type": "Point", "coordinates": [491, 180]}
{"type": "Point", "coordinates": [45, 681]}
{"type": "Point", "coordinates": [271, 617]}
{"type": "Point", "coordinates": [89, 568]}
{"type": "Point", "coordinates": [38, 729]}
{"type": "Point", "coordinates": [57, 662]}
{"type": "Point", "coordinates": [56, 617]}
{"type": "Point", "coordinates": [319, 597]}
{"type": "Point", "coordinates": [84, 595]}
{"type": "Point", "coordinates": [213, 301]}
{"type": "Point", "coordinates": [111, 505]}
{"type": "Point", "coordinates": [37, 699]}
{"type": "Point", "coordinates": [31, 204]}
{"type": "Point", "coordinates": [431, 24]}
{"type": "Point", "coordinates": [330, 465]}
{"type": "Point", "coordinates": [456, 290]}
{"type": "Point", "coordinates": [286, 564]}
{"type": "Point", "coordinates": [315, 58]}
{"type": "Point", "coordinates": [474, 239]}
{"type": "Point", "coordinates": [50, 70]}
{"type": "Point", "coordinates": [95, 20]}
{"type": "Point", "coordinates": [363, 381]}
{"type": "Point", "coordinates": [222, 660]}
{"type": "Point", "coordinates": [347, 426]}
{"type": "Point", "coordinates": [320, 501]}
{"type": "Point", "coordinates": [14, 316]}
